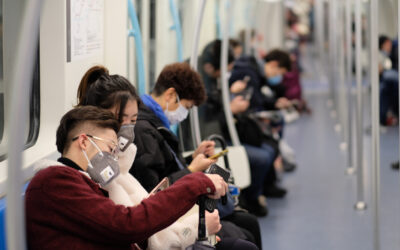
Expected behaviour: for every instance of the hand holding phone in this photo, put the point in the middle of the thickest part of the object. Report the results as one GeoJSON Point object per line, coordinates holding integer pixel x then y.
{"type": "Point", "coordinates": [164, 183]}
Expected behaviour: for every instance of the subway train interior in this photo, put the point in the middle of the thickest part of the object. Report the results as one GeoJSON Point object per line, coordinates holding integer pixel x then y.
{"type": "Point", "coordinates": [303, 93]}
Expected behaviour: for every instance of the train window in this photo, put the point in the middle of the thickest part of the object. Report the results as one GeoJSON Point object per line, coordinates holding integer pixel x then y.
{"type": "Point", "coordinates": [34, 108]}
{"type": "Point", "coordinates": [33, 113]}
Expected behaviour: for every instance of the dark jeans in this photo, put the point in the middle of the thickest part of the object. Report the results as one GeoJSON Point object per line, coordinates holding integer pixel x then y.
{"type": "Point", "coordinates": [261, 162]}
{"type": "Point", "coordinates": [389, 94]}
{"type": "Point", "coordinates": [248, 222]}
{"type": "Point", "coordinates": [235, 244]}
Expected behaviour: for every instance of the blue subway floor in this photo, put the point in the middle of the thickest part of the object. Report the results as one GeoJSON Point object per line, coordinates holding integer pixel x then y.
{"type": "Point", "coordinates": [318, 211]}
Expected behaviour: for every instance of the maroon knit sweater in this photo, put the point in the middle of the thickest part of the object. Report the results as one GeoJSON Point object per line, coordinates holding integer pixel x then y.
{"type": "Point", "coordinates": [67, 210]}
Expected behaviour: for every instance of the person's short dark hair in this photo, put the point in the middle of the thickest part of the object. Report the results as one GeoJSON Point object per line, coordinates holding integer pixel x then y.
{"type": "Point", "coordinates": [234, 43]}
{"type": "Point", "coordinates": [282, 57]}
{"type": "Point", "coordinates": [382, 40]}
{"type": "Point", "coordinates": [81, 116]}
{"type": "Point", "coordinates": [212, 54]}
{"type": "Point", "coordinates": [186, 82]}
{"type": "Point", "coordinates": [99, 88]}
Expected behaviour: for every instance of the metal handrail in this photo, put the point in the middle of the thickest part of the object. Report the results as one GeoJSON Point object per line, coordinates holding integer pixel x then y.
{"type": "Point", "coordinates": [194, 115]}
{"type": "Point", "coordinates": [136, 33]}
{"type": "Point", "coordinates": [247, 34]}
{"type": "Point", "coordinates": [373, 8]}
{"type": "Point", "coordinates": [360, 205]}
{"type": "Point", "coordinates": [178, 29]}
{"type": "Point", "coordinates": [217, 17]}
{"type": "Point", "coordinates": [19, 102]}
{"type": "Point", "coordinates": [349, 60]}
{"type": "Point", "coordinates": [224, 80]}
{"type": "Point", "coordinates": [178, 32]}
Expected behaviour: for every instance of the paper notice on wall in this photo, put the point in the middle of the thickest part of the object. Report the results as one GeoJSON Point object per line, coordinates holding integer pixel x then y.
{"type": "Point", "coordinates": [85, 29]}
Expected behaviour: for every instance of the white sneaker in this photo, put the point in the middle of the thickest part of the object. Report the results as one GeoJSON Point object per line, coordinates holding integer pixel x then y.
{"type": "Point", "coordinates": [287, 152]}
{"type": "Point", "coordinates": [290, 116]}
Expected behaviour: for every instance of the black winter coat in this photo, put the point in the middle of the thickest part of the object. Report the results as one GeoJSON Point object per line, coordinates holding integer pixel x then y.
{"type": "Point", "coordinates": [154, 159]}
{"type": "Point", "coordinates": [248, 66]}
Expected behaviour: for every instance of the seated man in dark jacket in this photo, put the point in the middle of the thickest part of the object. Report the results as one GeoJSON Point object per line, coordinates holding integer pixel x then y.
{"type": "Point", "coordinates": [178, 88]}
{"type": "Point", "coordinates": [65, 209]}
{"type": "Point", "coordinates": [265, 78]}
{"type": "Point", "coordinates": [261, 155]}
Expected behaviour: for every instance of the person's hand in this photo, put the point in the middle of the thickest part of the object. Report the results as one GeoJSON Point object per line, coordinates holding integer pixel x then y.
{"type": "Point", "coordinates": [206, 148]}
{"type": "Point", "coordinates": [220, 186]}
{"type": "Point", "coordinates": [239, 105]}
{"type": "Point", "coordinates": [212, 222]}
{"type": "Point", "coordinates": [200, 163]}
{"type": "Point", "coordinates": [238, 86]}
{"type": "Point", "coordinates": [283, 103]}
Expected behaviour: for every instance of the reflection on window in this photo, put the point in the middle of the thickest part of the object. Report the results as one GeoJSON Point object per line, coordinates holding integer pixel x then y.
{"type": "Point", "coordinates": [34, 108]}
{"type": "Point", "coordinates": [33, 113]}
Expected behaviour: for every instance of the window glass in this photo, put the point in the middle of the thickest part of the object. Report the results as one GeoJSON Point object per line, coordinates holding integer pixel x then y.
{"type": "Point", "coordinates": [33, 112]}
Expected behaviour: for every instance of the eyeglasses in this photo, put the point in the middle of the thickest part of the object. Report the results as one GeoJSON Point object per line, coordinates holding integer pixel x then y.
{"type": "Point", "coordinates": [114, 148]}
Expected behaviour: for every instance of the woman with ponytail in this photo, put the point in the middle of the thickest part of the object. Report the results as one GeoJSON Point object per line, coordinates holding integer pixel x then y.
{"type": "Point", "coordinates": [117, 94]}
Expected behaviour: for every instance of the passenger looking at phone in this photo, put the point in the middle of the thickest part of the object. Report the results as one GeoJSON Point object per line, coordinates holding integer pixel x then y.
{"type": "Point", "coordinates": [177, 89]}
{"type": "Point", "coordinates": [265, 78]}
{"type": "Point", "coordinates": [67, 207]}
{"type": "Point", "coordinates": [261, 153]}
{"type": "Point", "coordinates": [117, 94]}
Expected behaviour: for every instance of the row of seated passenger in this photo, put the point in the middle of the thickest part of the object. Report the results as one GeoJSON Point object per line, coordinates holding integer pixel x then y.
{"type": "Point", "coordinates": [264, 93]}
{"type": "Point", "coordinates": [116, 147]}
{"type": "Point", "coordinates": [67, 205]}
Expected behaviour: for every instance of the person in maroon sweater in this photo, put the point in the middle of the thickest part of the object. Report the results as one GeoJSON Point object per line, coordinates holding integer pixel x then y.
{"type": "Point", "coordinates": [65, 209]}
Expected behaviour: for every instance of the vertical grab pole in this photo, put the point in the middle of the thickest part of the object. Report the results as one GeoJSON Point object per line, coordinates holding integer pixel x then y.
{"type": "Point", "coordinates": [224, 79]}
{"type": "Point", "coordinates": [332, 39]}
{"type": "Point", "coordinates": [217, 17]}
{"type": "Point", "coordinates": [398, 39]}
{"type": "Point", "coordinates": [19, 102]}
{"type": "Point", "coordinates": [373, 10]}
{"type": "Point", "coordinates": [135, 32]}
{"type": "Point", "coordinates": [194, 115]}
{"type": "Point", "coordinates": [177, 28]}
{"type": "Point", "coordinates": [360, 204]}
{"type": "Point", "coordinates": [319, 25]}
{"type": "Point", "coordinates": [350, 161]}
{"type": "Point", "coordinates": [343, 104]}
{"type": "Point", "coordinates": [247, 34]}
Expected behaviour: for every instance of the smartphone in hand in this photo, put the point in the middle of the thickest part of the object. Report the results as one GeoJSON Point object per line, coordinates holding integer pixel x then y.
{"type": "Point", "coordinates": [164, 183]}
{"type": "Point", "coordinates": [217, 155]}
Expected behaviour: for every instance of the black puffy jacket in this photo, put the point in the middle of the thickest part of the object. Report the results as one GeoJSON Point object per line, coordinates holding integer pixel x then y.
{"type": "Point", "coordinates": [154, 159]}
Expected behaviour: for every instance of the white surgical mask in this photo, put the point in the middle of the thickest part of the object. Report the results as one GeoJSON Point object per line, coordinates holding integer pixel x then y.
{"type": "Point", "coordinates": [178, 115]}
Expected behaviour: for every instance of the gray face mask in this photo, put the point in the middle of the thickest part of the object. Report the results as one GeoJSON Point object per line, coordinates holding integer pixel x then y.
{"type": "Point", "coordinates": [103, 167]}
{"type": "Point", "coordinates": [126, 135]}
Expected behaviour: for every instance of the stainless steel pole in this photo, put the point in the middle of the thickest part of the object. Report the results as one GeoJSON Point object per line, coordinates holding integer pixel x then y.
{"type": "Point", "coordinates": [398, 39]}
{"type": "Point", "coordinates": [19, 102]}
{"type": "Point", "coordinates": [349, 76]}
{"type": "Point", "coordinates": [319, 25]}
{"type": "Point", "coordinates": [247, 35]}
{"type": "Point", "coordinates": [375, 118]}
{"type": "Point", "coordinates": [331, 69]}
{"type": "Point", "coordinates": [194, 114]}
{"type": "Point", "coordinates": [360, 204]}
{"type": "Point", "coordinates": [342, 97]}
{"type": "Point", "coordinates": [224, 79]}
